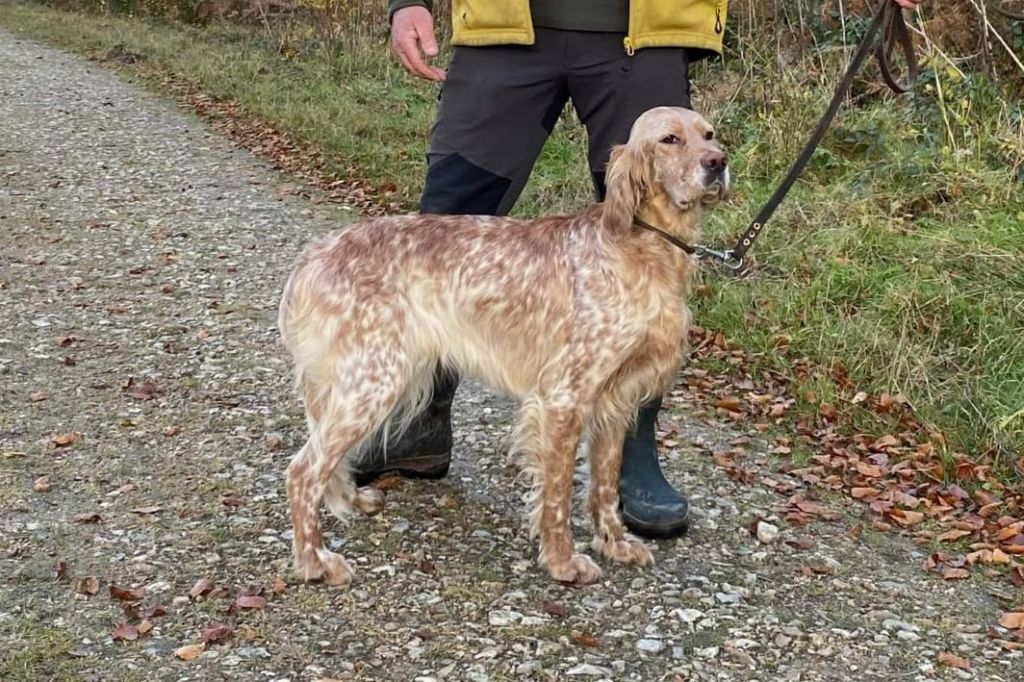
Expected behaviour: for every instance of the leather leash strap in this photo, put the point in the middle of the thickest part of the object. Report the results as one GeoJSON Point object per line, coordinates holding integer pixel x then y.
{"type": "Point", "coordinates": [889, 18]}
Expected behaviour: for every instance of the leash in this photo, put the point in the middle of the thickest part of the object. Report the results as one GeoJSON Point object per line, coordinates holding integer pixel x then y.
{"type": "Point", "coordinates": [889, 19]}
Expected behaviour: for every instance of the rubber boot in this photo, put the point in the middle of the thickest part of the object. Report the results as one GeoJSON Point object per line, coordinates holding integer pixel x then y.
{"type": "Point", "coordinates": [651, 507]}
{"type": "Point", "coordinates": [425, 449]}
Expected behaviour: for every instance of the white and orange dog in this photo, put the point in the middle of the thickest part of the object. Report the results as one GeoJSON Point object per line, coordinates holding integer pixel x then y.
{"type": "Point", "coordinates": [582, 317]}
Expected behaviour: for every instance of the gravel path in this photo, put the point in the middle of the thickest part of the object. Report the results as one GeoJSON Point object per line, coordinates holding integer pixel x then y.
{"type": "Point", "coordinates": [141, 380]}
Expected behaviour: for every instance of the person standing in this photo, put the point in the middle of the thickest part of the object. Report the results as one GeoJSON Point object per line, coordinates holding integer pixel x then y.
{"type": "Point", "coordinates": [515, 65]}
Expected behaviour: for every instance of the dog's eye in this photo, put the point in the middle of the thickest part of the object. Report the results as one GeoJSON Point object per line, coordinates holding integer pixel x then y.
{"type": "Point", "coordinates": [669, 139]}
{"type": "Point", "coordinates": [709, 135]}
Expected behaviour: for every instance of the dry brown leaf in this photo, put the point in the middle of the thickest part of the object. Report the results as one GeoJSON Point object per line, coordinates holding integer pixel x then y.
{"type": "Point", "coordinates": [41, 484]}
{"type": "Point", "coordinates": [38, 396]}
{"type": "Point", "coordinates": [87, 517]}
{"type": "Point", "coordinates": [124, 594]}
{"type": "Point", "coordinates": [905, 517]}
{"type": "Point", "coordinates": [250, 601]}
{"type": "Point", "coordinates": [953, 661]}
{"type": "Point", "coordinates": [89, 584]}
{"type": "Point", "coordinates": [154, 611]}
{"type": "Point", "coordinates": [189, 651]}
{"type": "Point", "coordinates": [585, 639]}
{"type": "Point", "coordinates": [386, 483]}
{"type": "Point", "coordinates": [171, 431]}
{"type": "Point", "coordinates": [730, 403]}
{"type": "Point", "coordinates": [216, 632]}
{"type": "Point", "coordinates": [950, 573]}
{"type": "Point", "coordinates": [860, 493]}
{"type": "Point", "coordinates": [1012, 620]}
{"type": "Point", "coordinates": [554, 609]}
{"type": "Point", "coordinates": [278, 586]}
{"type": "Point", "coordinates": [125, 632]}
{"type": "Point", "coordinates": [201, 587]}
{"type": "Point", "coordinates": [66, 439]}
{"type": "Point", "coordinates": [999, 557]}
{"type": "Point", "coordinates": [954, 534]}
{"type": "Point", "coordinates": [869, 470]}
{"type": "Point", "coordinates": [144, 626]}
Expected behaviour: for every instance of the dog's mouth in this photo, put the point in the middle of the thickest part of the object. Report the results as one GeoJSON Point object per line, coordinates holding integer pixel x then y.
{"type": "Point", "coordinates": [715, 191]}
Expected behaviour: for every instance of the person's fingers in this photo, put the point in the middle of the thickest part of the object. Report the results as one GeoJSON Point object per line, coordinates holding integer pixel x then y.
{"type": "Point", "coordinates": [408, 52]}
{"type": "Point", "coordinates": [427, 40]}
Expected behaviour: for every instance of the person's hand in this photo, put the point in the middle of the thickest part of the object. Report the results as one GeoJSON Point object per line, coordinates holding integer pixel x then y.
{"type": "Point", "coordinates": [412, 38]}
{"type": "Point", "coordinates": [908, 4]}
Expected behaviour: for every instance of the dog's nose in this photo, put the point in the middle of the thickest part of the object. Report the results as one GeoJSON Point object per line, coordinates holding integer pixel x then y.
{"type": "Point", "coordinates": [714, 162]}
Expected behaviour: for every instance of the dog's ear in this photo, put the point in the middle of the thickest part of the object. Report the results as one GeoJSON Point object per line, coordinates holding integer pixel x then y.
{"type": "Point", "coordinates": [628, 180]}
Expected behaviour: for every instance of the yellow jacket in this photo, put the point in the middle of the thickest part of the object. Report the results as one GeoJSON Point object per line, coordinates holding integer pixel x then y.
{"type": "Point", "coordinates": [652, 23]}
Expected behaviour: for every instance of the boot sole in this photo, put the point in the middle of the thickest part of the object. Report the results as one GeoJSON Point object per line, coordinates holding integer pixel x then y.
{"type": "Point", "coordinates": [425, 467]}
{"type": "Point", "coordinates": [657, 531]}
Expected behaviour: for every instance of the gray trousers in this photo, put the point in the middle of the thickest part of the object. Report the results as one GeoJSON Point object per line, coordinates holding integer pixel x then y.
{"type": "Point", "coordinates": [500, 103]}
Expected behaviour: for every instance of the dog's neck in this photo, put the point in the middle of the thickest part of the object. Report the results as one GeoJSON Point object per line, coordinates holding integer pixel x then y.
{"type": "Point", "coordinates": [661, 212]}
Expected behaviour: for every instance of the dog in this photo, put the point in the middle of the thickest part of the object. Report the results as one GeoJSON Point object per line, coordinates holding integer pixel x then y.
{"type": "Point", "coordinates": [583, 318]}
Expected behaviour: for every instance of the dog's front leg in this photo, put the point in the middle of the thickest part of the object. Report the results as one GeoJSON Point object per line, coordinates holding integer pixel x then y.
{"type": "Point", "coordinates": [610, 537]}
{"type": "Point", "coordinates": [561, 434]}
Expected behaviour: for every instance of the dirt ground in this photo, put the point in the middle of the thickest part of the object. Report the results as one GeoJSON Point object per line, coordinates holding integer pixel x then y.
{"type": "Point", "coordinates": [146, 419]}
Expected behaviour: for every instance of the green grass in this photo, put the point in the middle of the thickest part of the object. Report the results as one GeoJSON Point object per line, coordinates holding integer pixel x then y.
{"type": "Point", "coordinates": [897, 257]}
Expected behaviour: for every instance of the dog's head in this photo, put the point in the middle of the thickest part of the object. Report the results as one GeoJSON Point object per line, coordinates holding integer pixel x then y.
{"type": "Point", "coordinates": [671, 157]}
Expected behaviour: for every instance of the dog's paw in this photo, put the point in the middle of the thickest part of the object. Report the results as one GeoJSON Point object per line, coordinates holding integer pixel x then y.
{"type": "Point", "coordinates": [369, 500]}
{"type": "Point", "coordinates": [579, 570]}
{"type": "Point", "coordinates": [628, 550]}
{"type": "Point", "coordinates": [324, 565]}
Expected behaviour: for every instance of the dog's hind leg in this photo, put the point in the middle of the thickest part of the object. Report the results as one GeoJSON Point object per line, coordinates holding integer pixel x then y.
{"type": "Point", "coordinates": [341, 416]}
{"type": "Point", "coordinates": [608, 433]}
{"type": "Point", "coordinates": [547, 434]}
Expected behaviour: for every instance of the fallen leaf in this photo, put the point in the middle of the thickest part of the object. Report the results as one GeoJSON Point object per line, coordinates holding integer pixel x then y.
{"type": "Point", "coordinates": [171, 431]}
{"type": "Point", "coordinates": [144, 627]}
{"type": "Point", "coordinates": [278, 586]}
{"type": "Point", "coordinates": [89, 584]}
{"type": "Point", "coordinates": [190, 651]}
{"type": "Point", "coordinates": [62, 570]}
{"type": "Point", "coordinates": [125, 632]}
{"type": "Point", "coordinates": [584, 639]}
{"type": "Point", "coordinates": [950, 573]}
{"type": "Point", "coordinates": [905, 517]}
{"type": "Point", "coordinates": [953, 661]}
{"type": "Point", "coordinates": [426, 634]}
{"type": "Point", "coordinates": [247, 601]}
{"type": "Point", "coordinates": [201, 587]}
{"type": "Point", "coordinates": [146, 511]}
{"type": "Point", "coordinates": [216, 632]}
{"type": "Point", "coordinates": [386, 483]}
{"type": "Point", "coordinates": [860, 493]}
{"type": "Point", "coordinates": [801, 542]}
{"type": "Point", "coordinates": [154, 611]}
{"type": "Point", "coordinates": [147, 390]}
{"type": "Point", "coordinates": [41, 484]}
{"type": "Point", "coordinates": [954, 534]}
{"type": "Point", "coordinates": [134, 594]}
{"type": "Point", "coordinates": [38, 396]}
{"type": "Point", "coordinates": [731, 403]}
{"type": "Point", "coordinates": [554, 609]}
{"type": "Point", "coordinates": [66, 439]}
{"type": "Point", "coordinates": [1012, 620]}
{"type": "Point", "coordinates": [87, 517]}
{"type": "Point", "coordinates": [860, 397]}
{"type": "Point", "coordinates": [999, 557]}
{"type": "Point", "coordinates": [869, 470]}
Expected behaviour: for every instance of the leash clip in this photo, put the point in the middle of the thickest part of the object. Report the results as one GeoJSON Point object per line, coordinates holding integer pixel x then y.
{"type": "Point", "coordinates": [726, 258]}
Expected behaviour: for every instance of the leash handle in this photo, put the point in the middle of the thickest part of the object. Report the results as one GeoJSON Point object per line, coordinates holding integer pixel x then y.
{"type": "Point", "coordinates": [887, 17]}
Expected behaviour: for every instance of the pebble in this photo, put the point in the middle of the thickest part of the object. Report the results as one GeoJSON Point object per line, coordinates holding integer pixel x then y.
{"type": "Point", "coordinates": [650, 646]}
{"type": "Point", "coordinates": [588, 670]}
{"type": "Point", "coordinates": [767, 533]}
{"type": "Point", "coordinates": [727, 597]}
{"type": "Point", "coordinates": [504, 617]}
{"type": "Point", "coordinates": [896, 624]}
{"type": "Point", "coordinates": [689, 616]}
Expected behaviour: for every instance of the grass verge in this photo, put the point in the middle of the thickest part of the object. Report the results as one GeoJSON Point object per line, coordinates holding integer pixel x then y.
{"type": "Point", "coordinates": [897, 261]}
